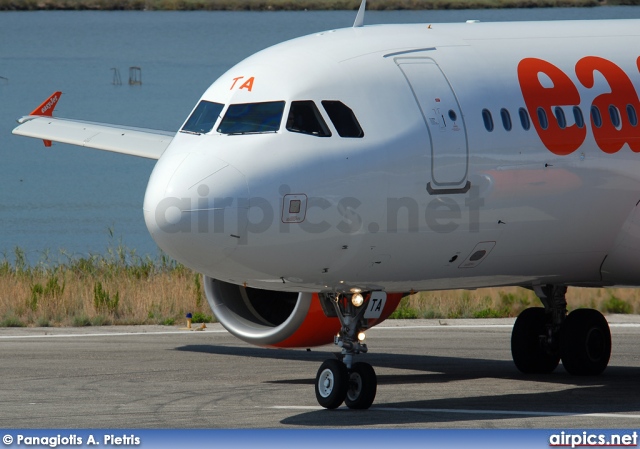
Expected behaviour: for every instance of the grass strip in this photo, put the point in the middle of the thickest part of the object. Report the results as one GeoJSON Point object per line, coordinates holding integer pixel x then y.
{"type": "Point", "coordinates": [119, 287]}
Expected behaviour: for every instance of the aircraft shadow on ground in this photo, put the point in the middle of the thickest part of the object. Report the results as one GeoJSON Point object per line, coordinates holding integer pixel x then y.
{"type": "Point", "coordinates": [615, 391]}
{"type": "Point", "coordinates": [535, 405]}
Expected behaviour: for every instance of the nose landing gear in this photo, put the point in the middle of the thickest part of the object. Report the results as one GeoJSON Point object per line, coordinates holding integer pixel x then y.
{"type": "Point", "coordinates": [341, 380]}
{"type": "Point", "coordinates": [335, 384]}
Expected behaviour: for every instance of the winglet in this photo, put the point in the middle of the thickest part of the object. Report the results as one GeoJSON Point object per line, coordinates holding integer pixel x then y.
{"type": "Point", "coordinates": [46, 110]}
{"type": "Point", "coordinates": [360, 17]}
{"type": "Point", "coordinates": [47, 107]}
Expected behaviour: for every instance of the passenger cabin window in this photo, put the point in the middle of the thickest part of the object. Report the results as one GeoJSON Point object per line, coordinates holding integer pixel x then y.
{"type": "Point", "coordinates": [560, 117]}
{"type": "Point", "coordinates": [615, 116]}
{"type": "Point", "coordinates": [542, 118]}
{"type": "Point", "coordinates": [596, 117]}
{"type": "Point", "coordinates": [631, 114]}
{"type": "Point", "coordinates": [343, 119]}
{"type": "Point", "coordinates": [487, 119]}
{"type": "Point", "coordinates": [305, 118]}
{"type": "Point", "coordinates": [203, 118]}
{"type": "Point", "coordinates": [578, 117]}
{"type": "Point", "coordinates": [524, 119]}
{"type": "Point", "coordinates": [252, 118]}
{"type": "Point", "coordinates": [506, 119]}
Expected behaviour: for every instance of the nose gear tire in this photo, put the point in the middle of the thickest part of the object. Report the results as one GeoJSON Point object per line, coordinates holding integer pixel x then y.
{"type": "Point", "coordinates": [363, 384]}
{"type": "Point", "coordinates": [332, 382]}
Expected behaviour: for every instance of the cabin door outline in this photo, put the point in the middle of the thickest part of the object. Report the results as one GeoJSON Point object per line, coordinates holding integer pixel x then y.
{"type": "Point", "coordinates": [444, 121]}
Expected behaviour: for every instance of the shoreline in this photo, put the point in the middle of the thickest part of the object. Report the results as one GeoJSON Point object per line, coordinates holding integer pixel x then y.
{"type": "Point", "coordinates": [291, 5]}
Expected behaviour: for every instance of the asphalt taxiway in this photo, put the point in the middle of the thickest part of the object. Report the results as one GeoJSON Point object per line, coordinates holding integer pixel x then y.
{"type": "Point", "coordinates": [431, 374]}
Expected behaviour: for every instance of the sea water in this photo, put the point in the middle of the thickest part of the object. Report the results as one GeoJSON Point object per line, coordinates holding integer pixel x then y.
{"type": "Point", "coordinates": [67, 201]}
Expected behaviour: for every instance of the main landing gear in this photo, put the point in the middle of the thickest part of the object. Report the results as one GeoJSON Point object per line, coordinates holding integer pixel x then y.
{"type": "Point", "coordinates": [341, 380]}
{"type": "Point", "coordinates": [542, 337]}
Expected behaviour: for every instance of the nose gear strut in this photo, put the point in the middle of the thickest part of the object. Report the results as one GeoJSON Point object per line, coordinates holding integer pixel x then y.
{"type": "Point", "coordinates": [339, 381]}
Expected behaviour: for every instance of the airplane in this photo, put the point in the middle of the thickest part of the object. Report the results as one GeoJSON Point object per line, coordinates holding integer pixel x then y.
{"type": "Point", "coordinates": [318, 182]}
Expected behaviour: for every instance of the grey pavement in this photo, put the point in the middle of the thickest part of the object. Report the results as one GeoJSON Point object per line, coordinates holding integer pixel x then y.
{"type": "Point", "coordinates": [431, 374]}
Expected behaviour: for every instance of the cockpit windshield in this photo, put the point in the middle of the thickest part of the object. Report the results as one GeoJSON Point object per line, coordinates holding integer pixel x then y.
{"type": "Point", "coordinates": [203, 117]}
{"type": "Point", "coordinates": [305, 118]}
{"type": "Point", "coordinates": [249, 118]}
{"type": "Point", "coordinates": [343, 119]}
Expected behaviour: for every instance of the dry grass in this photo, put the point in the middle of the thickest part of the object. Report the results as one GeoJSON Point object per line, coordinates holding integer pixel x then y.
{"type": "Point", "coordinates": [278, 5]}
{"type": "Point", "coordinates": [159, 298]}
{"type": "Point", "coordinates": [510, 301]}
{"type": "Point", "coordinates": [122, 288]}
{"type": "Point", "coordinates": [99, 290]}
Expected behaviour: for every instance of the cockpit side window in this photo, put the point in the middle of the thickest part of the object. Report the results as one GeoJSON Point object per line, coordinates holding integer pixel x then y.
{"type": "Point", "coordinates": [249, 118]}
{"type": "Point", "coordinates": [343, 119]}
{"type": "Point", "coordinates": [203, 117]}
{"type": "Point", "coordinates": [305, 118]}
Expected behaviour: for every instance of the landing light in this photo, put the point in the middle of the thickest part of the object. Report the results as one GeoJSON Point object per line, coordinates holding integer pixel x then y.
{"type": "Point", "coordinates": [357, 300]}
{"type": "Point", "coordinates": [361, 336]}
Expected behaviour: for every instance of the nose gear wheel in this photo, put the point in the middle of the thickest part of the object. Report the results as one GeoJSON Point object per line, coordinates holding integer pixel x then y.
{"type": "Point", "coordinates": [332, 383]}
{"type": "Point", "coordinates": [362, 386]}
{"type": "Point", "coordinates": [339, 381]}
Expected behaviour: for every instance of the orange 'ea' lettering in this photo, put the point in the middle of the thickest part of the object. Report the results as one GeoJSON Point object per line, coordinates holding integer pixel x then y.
{"type": "Point", "coordinates": [248, 84]}
{"type": "Point", "coordinates": [540, 99]}
{"type": "Point", "coordinates": [613, 105]}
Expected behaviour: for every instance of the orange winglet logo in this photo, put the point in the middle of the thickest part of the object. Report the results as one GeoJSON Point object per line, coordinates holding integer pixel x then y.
{"type": "Point", "coordinates": [46, 108]}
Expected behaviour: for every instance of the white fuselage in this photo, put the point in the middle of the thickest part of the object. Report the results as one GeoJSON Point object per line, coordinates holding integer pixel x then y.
{"type": "Point", "coordinates": [427, 198]}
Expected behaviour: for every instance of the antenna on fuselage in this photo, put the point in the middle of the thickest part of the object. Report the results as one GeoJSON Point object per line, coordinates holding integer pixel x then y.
{"type": "Point", "coordinates": [360, 17]}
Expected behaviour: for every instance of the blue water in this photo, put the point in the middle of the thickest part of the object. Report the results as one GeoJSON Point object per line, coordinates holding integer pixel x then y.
{"type": "Point", "coordinates": [64, 199]}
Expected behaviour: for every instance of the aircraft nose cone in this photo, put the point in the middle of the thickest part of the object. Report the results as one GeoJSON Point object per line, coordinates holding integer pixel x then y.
{"type": "Point", "coordinates": [190, 208]}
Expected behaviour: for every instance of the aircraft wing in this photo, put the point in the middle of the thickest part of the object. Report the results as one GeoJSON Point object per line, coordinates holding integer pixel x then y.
{"type": "Point", "coordinates": [140, 142]}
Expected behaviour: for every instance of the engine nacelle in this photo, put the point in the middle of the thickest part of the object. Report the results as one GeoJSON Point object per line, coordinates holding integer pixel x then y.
{"type": "Point", "coordinates": [278, 319]}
